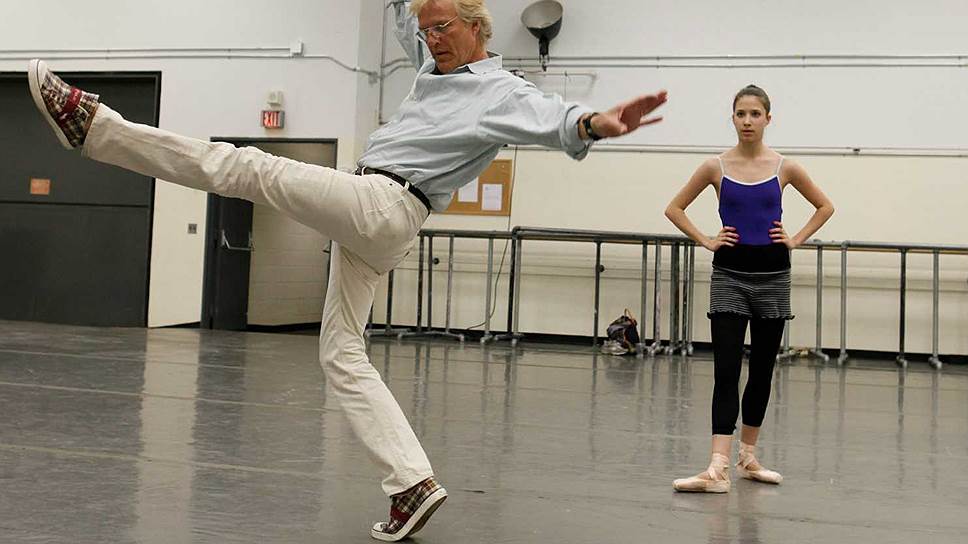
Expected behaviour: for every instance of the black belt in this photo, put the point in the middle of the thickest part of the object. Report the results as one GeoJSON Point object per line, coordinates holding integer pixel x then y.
{"type": "Point", "coordinates": [364, 170]}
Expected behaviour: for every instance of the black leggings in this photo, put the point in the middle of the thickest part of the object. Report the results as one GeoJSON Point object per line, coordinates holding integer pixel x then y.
{"type": "Point", "coordinates": [728, 334]}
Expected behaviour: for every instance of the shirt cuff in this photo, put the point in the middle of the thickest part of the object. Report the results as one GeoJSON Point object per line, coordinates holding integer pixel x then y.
{"type": "Point", "coordinates": [570, 141]}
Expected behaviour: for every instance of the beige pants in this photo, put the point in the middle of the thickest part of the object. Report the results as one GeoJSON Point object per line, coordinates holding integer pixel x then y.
{"type": "Point", "coordinates": [372, 221]}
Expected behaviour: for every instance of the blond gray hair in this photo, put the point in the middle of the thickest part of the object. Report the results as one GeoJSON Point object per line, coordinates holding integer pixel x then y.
{"type": "Point", "coordinates": [469, 11]}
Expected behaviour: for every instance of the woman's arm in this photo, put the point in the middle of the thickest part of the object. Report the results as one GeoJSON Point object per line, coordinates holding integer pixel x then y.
{"type": "Point", "coordinates": [704, 176]}
{"type": "Point", "coordinates": [798, 177]}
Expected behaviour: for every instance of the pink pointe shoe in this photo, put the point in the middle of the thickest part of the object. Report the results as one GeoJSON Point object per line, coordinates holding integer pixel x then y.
{"type": "Point", "coordinates": [715, 479]}
{"type": "Point", "coordinates": [751, 469]}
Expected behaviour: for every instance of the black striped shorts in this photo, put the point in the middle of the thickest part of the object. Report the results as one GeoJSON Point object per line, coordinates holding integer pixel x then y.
{"type": "Point", "coordinates": [762, 295]}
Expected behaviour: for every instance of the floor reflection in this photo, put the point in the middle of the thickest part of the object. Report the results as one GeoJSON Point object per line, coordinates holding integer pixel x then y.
{"type": "Point", "coordinates": [180, 435]}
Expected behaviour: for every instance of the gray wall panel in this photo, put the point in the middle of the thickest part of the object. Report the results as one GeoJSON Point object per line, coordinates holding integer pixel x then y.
{"type": "Point", "coordinates": [74, 264]}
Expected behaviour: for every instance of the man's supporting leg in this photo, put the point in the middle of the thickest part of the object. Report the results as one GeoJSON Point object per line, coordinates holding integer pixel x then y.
{"type": "Point", "coordinates": [375, 415]}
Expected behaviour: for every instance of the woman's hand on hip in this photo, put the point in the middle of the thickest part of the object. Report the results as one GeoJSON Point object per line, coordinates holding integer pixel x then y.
{"type": "Point", "coordinates": [726, 237]}
{"type": "Point", "coordinates": [779, 236]}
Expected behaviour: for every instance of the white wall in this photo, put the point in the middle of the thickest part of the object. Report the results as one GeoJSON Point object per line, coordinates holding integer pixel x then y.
{"type": "Point", "coordinates": [203, 98]}
{"type": "Point", "coordinates": [898, 199]}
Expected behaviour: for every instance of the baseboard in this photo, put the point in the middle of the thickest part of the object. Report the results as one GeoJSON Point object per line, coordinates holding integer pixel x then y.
{"type": "Point", "coordinates": [302, 328]}
{"type": "Point", "coordinates": [194, 325]}
{"type": "Point", "coordinates": [474, 335]}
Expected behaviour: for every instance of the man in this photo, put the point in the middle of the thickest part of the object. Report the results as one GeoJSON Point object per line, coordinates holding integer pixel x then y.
{"type": "Point", "coordinates": [462, 109]}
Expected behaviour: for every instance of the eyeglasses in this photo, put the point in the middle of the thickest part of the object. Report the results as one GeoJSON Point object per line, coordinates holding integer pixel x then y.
{"type": "Point", "coordinates": [436, 30]}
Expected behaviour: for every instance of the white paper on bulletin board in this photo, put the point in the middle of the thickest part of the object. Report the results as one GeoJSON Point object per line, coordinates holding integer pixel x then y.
{"type": "Point", "coordinates": [493, 197]}
{"type": "Point", "coordinates": [468, 193]}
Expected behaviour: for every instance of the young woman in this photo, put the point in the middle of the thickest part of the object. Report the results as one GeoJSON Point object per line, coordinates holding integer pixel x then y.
{"type": "Point", "coordinates": [750, 280]}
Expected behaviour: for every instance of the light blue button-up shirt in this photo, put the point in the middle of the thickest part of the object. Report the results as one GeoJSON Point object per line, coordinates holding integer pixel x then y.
{"type": "Point", "coordinates": [451, 126]}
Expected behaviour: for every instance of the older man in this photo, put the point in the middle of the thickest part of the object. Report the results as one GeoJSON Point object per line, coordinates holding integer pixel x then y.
{"type": "Point", "coordinates": [462, 109]}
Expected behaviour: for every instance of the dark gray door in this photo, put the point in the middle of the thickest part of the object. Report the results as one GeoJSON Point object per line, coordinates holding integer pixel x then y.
{"type": "Point", "coordinates": [80, 254]}
{"type": "Point", "coordinates": [228, 247]}
{"type": "Point", "coordinates": [225, 296]}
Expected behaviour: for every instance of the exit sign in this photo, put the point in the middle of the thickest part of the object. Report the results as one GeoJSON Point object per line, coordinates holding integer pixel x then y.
{"type": "Point", "coordinates": [273, 118]}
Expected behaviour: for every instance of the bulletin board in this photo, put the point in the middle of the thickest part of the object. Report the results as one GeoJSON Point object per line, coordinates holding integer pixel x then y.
{"type": "Point", "coordinates": [489, 194]}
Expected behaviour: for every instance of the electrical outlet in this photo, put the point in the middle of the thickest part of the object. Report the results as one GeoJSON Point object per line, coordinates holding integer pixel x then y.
{"type": "Point", "coordinates": [192, 228]}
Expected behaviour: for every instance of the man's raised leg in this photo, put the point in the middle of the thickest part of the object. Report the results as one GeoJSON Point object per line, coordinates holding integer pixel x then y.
{"type": "Point", "coordinates": [332, 202]}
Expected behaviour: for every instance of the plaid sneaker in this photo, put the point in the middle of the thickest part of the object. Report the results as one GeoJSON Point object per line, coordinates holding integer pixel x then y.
{"type": "Point", "coordinates": [67, 109]}
{"type": "Point", "coordinates": [410, 510]}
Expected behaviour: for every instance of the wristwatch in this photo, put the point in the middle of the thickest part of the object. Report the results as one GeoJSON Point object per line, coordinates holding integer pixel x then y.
{"type": "Point", "coordinates": [587, 123]}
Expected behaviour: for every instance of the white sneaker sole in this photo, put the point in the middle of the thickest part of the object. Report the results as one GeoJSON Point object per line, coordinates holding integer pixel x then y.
{"type": "Point", "coordinates": [36, 73]}
{"type": "Point", "coordinates": [416, 521]}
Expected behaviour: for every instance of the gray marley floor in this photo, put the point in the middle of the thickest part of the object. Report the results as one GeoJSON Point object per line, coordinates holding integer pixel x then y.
{"type": "Point", "coordinates": [179, 435]}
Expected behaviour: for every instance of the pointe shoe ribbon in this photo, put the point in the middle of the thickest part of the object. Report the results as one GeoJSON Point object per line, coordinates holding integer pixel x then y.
{"type": "Point", "coordinates": [747, 459]}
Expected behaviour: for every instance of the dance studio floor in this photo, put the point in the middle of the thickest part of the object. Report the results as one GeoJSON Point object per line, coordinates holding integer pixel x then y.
{"type": "Point", "coordinates": [180, 435]}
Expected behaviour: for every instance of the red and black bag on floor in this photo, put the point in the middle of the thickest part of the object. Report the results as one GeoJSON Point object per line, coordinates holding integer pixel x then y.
{"type": "Point", "coordinates": [624, 332]}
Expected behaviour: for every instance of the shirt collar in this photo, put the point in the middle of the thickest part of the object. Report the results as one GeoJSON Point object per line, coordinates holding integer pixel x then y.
{"type": "Point", "coordinates": [492, 63]}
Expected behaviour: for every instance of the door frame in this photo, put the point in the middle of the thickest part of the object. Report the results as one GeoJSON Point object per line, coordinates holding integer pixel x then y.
{"type": "Point", "coordinates": [209, 288]}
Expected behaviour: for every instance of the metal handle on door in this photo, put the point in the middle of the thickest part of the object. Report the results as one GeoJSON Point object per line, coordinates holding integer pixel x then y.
{"type": "Point", "coordinates": [225, 244]}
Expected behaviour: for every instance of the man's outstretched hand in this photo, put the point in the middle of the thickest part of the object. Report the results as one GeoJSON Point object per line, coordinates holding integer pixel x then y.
{"type": "Point", "coordinates": [628, 116]}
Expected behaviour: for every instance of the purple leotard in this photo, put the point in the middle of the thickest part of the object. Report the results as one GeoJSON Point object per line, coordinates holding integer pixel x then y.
{"type": "Point", "coordinates": [751, 208]}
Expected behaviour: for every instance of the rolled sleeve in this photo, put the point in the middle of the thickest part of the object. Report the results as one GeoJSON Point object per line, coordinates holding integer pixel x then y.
{"type": "Point", "coordinates": [526, 116]}
{"type": "Point", "coordinates": [406, 33]}
{"type": "Point", "coordinates": [571, 141]}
